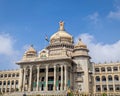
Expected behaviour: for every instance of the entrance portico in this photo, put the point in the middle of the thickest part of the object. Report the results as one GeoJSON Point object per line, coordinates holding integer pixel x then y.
{"type": "Point", "coordinates": [45, 77]}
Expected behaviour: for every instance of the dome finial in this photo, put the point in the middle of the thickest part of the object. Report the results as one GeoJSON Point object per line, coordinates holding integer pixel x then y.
{"type": "Point", "coordinates": [61, 24]}
{"type": "Point", "coordinates": [31, 45]}
{"type": "Point", "coordinates": [79, 39]}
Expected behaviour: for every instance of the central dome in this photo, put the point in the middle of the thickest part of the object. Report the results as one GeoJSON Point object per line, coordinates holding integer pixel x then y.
{"type": "Point", "coordinates": [61, 36]}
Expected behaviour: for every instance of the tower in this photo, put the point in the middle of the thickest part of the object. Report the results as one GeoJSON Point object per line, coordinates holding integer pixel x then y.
{"type": "Point", "coordinates": [82, 77]}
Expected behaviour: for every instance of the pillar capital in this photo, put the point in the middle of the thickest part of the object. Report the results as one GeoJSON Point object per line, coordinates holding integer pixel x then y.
{"type": "Point", "coordinates": [54, 66]}
{"type": "Point", "coordinates": [38, 67]}
{"type": "Point", "coordinates": [31, 66]}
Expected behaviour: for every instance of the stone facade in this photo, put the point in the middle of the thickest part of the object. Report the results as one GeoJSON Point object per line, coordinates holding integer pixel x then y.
{"type": "Point", "coordinates": [62, 65]}
{"type": "Point", "coordinates": [107, 79]}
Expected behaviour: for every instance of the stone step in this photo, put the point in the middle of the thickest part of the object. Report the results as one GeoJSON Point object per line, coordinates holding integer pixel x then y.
{"type": "Point", "coordinates": [46, 93]}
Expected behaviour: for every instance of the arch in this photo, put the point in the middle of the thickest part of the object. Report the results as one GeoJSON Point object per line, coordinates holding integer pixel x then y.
{"type": "Point", "coordinates": [102, 69]}
{"type": "Point", "coordinates": [97, 78]}
{"type": "Point", "coordinates": [9, 75]}
{"type": "Point", "coordinates": [17, 75]}
{"type": "Point", "coordinates": [103, 78]}
{"type": "Point", "coordinates": [109, 69]}
{"type": "Point", "coordinates": [13, 75]}
{"type": "Point", "coordinates": [110, 78]}
{"type": "Point", "coordinates": [0, 82]}
{"type": "Point", "coordinates": [4, 82]}
{"type": "Point", "coordinates": [1, 75]}
{"type": "Point", "coordinates": [115, 68]}
{"type": "Point", "coordinates": [8, 82]}
{"type": "Point", "coordinates": [5, 75]}
{"type": "Point", "coordinates": [12, 82]}
{"type": "Point", "coordinates": [116, 78]}
{"type": "Point", "coordinates": [16, 82]}
{"type": "Point", "coordinates": [97, 70]}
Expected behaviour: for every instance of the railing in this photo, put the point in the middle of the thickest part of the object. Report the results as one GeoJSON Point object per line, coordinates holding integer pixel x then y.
{"type": "Point", "coordinates": [79, 79]}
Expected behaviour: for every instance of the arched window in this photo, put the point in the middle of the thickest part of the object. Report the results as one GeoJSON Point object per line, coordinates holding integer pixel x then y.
{"type": "Point", "coordinates": [8, 82]}
{"type": "Point", "coordinates": [103, 78]}
{"type": "Point", "coordinates": [17, 75]}
{"type": "Point", "coordinates": [97, 70]}
{"type": "Point", "coordinates": [115, 68]}
{"type": "Point", "coordinates": [16, 82]}
{"type": "Point", "coordinates": [109, 69]}
{"type": "Point", "coordinates": [97, 78]}
{"type": "Point", "coordinates": [109, 78]}
{"type": "Point", "coordinates": [0, 82]}
{"type": "Point", "coordinates": [98, 88]}
{"type": "Point", "coordinates": [12, 82]}
{"type": "Point", "coordinates": [5, 75]}
{"type": "Point", "coordinates": [13, 75]}
{"type": "Point", "coordinates": [4, 83]}
{"type": "Point", "coordinates": [1, 75]}
{"type": "Point", "coordinates": [9, 75]}
{"type": "Point", "coordinates": [116, 78]}
{"type": "Point", "coordinates": [102, 69]}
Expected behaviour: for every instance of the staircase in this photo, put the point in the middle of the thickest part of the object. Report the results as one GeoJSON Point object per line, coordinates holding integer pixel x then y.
{"type": "Point", "coordinates": [43, 93]}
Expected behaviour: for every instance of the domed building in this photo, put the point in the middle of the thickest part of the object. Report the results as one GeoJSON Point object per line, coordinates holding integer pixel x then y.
{"type": "Point", "coordinates": [60, 67]}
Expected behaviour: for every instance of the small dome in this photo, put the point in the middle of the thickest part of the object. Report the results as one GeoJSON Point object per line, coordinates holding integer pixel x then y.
{"type": "Point", "coordinates": [80, 44]}
{"type": "Point", "coordinates": [61, 35]}
{"type": "Point", "coordinates": [31, 50]}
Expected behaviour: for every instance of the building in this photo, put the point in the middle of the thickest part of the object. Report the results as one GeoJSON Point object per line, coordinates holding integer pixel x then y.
{"type": "Point", "coordinates": [107, 79]}
{"type": "Point", "coordinates": [61, 66]}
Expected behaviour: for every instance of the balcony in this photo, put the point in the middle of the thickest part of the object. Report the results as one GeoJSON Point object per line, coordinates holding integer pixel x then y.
{"type": "Point", "coordinates": [79, 79]}
{"type": "Point", "coordinates": [79, 70]}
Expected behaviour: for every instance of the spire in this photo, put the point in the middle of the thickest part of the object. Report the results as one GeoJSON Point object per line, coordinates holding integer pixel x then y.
{"type": "Point", "coordinates": [79, 39]}
{"type": "Point", "coordinates": [61, 24]}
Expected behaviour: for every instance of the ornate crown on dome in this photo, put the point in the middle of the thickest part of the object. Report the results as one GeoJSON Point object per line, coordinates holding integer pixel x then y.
{"type": "Point", "coordinates": [31, 52]}
{"type": "Point", "coordinates": [61, 35]}
{"type": "Point", "coordinates": [80, 44]}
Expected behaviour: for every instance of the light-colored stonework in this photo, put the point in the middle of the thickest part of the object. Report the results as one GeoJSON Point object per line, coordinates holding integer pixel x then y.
{"type": "Point", "coordinates": [107, 79]}
{"type": "Point", "coordinates": [62, 65]}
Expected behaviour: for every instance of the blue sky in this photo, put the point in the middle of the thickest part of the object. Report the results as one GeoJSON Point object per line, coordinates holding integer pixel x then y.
{"type": "Point", "coordinates": [25, 22]}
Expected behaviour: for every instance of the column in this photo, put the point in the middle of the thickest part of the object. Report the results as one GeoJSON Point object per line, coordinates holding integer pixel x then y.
{"type": "Point", "coordinates": [21, 80]}
{"type": "Point", "coordinates": [46, 77]}
{"type": "Point", "coordinates": [24, 79]}
{"type": "Point", "coordinates": [54, 78]}
{"type": "Point", "coordinates": [61, 77]}
{"type": "Point", "coordinates": [65, 85]}
{"type": "Point", "coordinates": [71, 78]}
{"type": "Point", "coordinates": [101, 83]}
{"type": "Point", "coordinates": [37, 78]}
{"type": "Point", "coordinates": [94, 85]}
{"type": "Point", "coordinates": [6, 86]}
{"type": "Point", "coordinates": [2, 87]}
{"type": "Point", "coordinates": [113, 83]}
{"type": "Point", "coordinates": [30, 78]}
{"type": "Point", "coordinates": [10, 85]}
{"type": "Point", "coordinates": [14, 85]}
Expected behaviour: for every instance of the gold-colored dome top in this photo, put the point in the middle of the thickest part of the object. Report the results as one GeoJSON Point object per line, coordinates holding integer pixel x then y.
{"type": "Point", "coordinates": [80, 44]}
{"type": "Point", "coordinates": [61, 33]}
{"type": "Point", "coordinates": [31, 50]}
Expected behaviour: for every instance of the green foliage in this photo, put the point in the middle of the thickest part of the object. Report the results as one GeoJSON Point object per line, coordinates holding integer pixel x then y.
{"type": "Point", "coordinates": [104, 94]}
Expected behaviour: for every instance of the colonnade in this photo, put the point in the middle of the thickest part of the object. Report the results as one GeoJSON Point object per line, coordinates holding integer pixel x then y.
{"type": "Point", "coordinates": [9, 86]}
{"type": "Point", "coordinates": [63, 74]}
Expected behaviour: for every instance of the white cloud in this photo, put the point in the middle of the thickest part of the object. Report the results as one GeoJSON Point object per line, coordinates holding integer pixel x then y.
{"type": "Point", "coordinates": [101, 52]}
{"type": "Point", "coordinates": [115, 14]}
{"type": "Point", "coordinates": [94, 18]}
{"type": "Point", "coordinates": [8, 53]}
{"type": "Point", "coordinates": [6, 44]}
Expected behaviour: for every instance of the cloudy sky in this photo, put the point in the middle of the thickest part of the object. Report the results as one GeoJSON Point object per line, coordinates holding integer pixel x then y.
{"type": "Point", "coordinates": [25, 22]}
